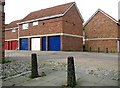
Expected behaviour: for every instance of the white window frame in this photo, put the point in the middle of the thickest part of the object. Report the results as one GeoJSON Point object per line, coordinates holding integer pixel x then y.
{"type": "Point", "coordinates": [13, 30]}
{"type": "Point", "coordinates": [25, 26]}
{"type": "Point", "coordinates": [35, 23]}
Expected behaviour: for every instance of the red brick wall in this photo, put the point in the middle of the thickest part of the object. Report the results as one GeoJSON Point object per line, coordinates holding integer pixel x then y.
{"type": "Point", "coordinates": [101, 27]}
{"type": "Point", "coordinates": [71, 43]}
{"type": "Point", "coordinates": [118, 31]}
{"type": "Point", "coordinates": [102, 45]}
{"type": "Point", "coordinates": [72, 23]}
{"type": "Point", "coordinates": [11, 35]}
{"type": "Point", "coordinates": [56, 25]}
{"type": "Point", "coordinates": [51, 26]}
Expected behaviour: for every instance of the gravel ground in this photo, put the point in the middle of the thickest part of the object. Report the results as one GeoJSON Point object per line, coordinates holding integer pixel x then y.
{"type": "Point", "coordinates": [17, 67]}
{"type": "Point", "coordinates": [85, 62]}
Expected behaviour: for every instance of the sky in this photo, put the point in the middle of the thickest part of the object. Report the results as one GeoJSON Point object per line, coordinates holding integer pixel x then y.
{"type": "Point", "coordinates": [18, 9]}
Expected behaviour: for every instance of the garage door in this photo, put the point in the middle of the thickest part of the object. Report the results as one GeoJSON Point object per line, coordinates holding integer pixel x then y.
{"type": "Point", "coordinates": [43, 43]}
{"type": "Point", "coordinates": [24, 44]}
{"type": "Point", "coordinates": [14, 45]}
{"type": "Point", "coordinates": [35, 44]}
{"type": "Point", "coordinates": [54, 43]}
{"type": "Point", "coordinates": [6, 45]}
{"type": "Point", "coordinates": [9, 45]}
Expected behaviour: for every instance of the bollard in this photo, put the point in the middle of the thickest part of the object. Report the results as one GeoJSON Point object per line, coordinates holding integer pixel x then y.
{"type": "Point", "coordinates": [71, 79]}
{"type": "Point", "coordinates": [106, 50]}
{"type": "Point", "coordinates": [34, 68]}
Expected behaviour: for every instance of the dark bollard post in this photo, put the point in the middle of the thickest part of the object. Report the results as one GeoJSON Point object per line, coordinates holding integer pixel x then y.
{"type": "Point", "coordinates": [106, 50]}
{"type": "Point", "coordinates": [71, 79]}
{"type": "Point", "coordinates": [34, 68]}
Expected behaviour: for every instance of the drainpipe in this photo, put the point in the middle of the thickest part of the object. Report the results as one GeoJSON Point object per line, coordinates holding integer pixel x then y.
{"type": "Point", "coordinates": [118, 40]}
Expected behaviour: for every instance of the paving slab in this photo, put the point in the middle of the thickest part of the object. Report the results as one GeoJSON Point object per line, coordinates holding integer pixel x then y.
{"type": "Point", "coordinates": [90, 78]}
{"type": "Point", "coordinates": [109, 82]}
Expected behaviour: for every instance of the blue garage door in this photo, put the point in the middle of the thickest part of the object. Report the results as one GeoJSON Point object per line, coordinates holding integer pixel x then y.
{"type": "Point", "coordinates": [43, 43]}
{"type": "Point", "coordinates": [54, 43]}
{"type": "Point", "coordinates": [24, 44]}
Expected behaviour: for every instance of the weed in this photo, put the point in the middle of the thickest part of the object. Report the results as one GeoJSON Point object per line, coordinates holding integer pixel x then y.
{"type": "Point", "coordinates": [30, 77]}
{"type": "Point", "coordinates": [43, 74]}
{"type": "Point", "coordinates": [5, 61]}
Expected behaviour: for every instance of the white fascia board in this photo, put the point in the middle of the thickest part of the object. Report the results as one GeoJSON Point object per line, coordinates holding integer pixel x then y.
{"type": "Point", "coordinates": [43, 18]}
{"type": "Point", "coordinates": [101, 39]}
{"type": "Point", "coordinates": [53, 16]}
{"type": "Point", "coordinates": [76, 9]}
{"type": "Point", "coordinates": [71, 35]}
{"type": "Point", "coordinates": [11, 39]}
{"type": "Point", "coordinates": [11, 28]}
{"type": "Point", "coordinates": [90, 18]}
{"type": "Point", "coordinates": [68, 9]}
{"type": "Point", "coordinates": [79, 12]}
{"type": "Point", "coordinates": [108, 16]}
{"type": "Point", "coordinates": [40, 35]}
{"type": "Point", "coordinates": [99, 10]}
{"type": "Point", "coordinates": [52, 35]}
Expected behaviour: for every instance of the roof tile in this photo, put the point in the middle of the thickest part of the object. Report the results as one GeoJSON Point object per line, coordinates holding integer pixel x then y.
{"type": "Point", "coordinates": [12, 24]}
{"type": "Point", "coordinates": [60, 9]}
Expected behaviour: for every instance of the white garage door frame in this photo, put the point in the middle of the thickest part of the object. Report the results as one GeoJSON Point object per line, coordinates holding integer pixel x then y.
{"type": "Point", "coordinates": [118, 46]}
{"type": "Point", "coordinates": [35, 44]}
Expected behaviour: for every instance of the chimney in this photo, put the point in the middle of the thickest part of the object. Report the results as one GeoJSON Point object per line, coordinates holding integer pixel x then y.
{"type": "Point", "coordinates": [2, 28]}
{"type": "Point", "coordinates": [119, 11]}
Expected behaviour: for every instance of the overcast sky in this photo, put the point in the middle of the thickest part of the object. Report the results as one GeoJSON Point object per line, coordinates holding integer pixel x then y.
{"type": "Point", "coordinates": [18, 9]}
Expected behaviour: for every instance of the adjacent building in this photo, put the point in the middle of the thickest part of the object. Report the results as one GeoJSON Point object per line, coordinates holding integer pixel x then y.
{"type": "Point", "coordinates": [102, 33]}
{"type": "Point", "coordinates": [58, 28]}
{"type": "Point", "coordinates": [11, 36]}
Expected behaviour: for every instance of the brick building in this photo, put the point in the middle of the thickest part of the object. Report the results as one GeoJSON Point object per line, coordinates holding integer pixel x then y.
{"type": "Point", "coordinates": [2, 26]}
{"type": "Point", "coordinates": [11, 36]}
{"type": "Point", "coordinates": [101, 33]}
{"type": "Point", "coordinates": [58, 28]}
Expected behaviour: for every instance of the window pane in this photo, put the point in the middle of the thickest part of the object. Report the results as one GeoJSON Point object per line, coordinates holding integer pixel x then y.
{"type": "Point", "coordinates": [25, 26]}
{"type": "Point", "coordinates": [35, 23]}
{"type": "Point", "coordinates": [13, 30]}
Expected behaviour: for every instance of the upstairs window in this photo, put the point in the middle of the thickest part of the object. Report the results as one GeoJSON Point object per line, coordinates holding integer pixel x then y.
{"type": "Point", "coordinates": [13, 30]}
{"type": "Point", "coordinates": [25, 26]}
{"type": "Point", "coordinates": [35, 23]}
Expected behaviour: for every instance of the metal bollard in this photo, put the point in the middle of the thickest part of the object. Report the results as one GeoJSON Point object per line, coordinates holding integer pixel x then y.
{"type": "Point", "coordinates": [71, 79]}
{"type": "Point", "coordinates": [34, 68]}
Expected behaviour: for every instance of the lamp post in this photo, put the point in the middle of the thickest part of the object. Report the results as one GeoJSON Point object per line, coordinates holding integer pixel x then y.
{"type": "Point", "coordinates": [2, 28]}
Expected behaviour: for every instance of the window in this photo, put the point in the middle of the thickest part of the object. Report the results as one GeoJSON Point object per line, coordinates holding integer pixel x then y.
{"type": "Point", "coordinates": [25, 26]}
{"type": "Point", "coordinates": [35, 23]}
{"type": "Point", "coordinates": [13, 30]}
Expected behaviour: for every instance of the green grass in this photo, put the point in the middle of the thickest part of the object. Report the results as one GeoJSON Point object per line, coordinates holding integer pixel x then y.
{"type": "Point", "coordinates": [43, 74]}
{"type": "Point", "coordinates": [4, 61]}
